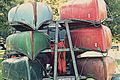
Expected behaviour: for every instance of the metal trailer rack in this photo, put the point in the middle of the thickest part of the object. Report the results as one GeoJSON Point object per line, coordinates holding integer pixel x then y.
{"type": "Point", "coordinates": [71, 49]}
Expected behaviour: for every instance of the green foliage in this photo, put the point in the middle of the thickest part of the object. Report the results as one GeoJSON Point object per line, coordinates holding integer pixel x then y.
{"type": "Point", "coordinates": [55, 5]}
{"type": "Point", "coordinates": [114, 12]}
{"type": "Point", "coordinates": [5, 6]}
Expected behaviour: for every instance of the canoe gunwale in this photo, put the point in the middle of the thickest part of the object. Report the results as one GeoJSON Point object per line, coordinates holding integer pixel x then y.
{"type": "Point", "coordinates": [18, 25]}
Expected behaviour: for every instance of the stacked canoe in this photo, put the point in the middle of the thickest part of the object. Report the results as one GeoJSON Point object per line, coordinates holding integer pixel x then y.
{"type": "Point", "coordinates": [29, 17]}
{"type": "Point", "coordinates": [94, 10]}
{"type": "Point", "coordinates": [94, 38]}
{"type": "Point", "coordinates": [91, 37]}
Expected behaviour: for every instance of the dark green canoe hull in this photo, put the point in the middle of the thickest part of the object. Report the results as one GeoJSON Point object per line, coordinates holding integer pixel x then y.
{"type": "Point", "coordinates": [21, 69]}
{"type": "Point", "coordinates": [29, 43]}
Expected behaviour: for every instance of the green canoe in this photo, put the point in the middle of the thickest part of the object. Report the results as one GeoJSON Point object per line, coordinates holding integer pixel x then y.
{"type": "Point", "coordinates": [29, 15]}
{"type": "Point", "coordinates": [21, 69]}
{"type": "Point", "coordinates": [29, 43]}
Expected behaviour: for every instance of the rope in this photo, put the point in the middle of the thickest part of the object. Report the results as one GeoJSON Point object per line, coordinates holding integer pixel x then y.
{"type": "Point", "coordinates": [61, 59]}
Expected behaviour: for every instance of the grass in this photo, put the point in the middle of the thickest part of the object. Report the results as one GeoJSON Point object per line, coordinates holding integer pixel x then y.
{"type": "Point", "coordinates": [118, 61]}
{"type": "Point", "coordinates": [0, 70]}
{"type": "Point", "coordinates": [1, 55]}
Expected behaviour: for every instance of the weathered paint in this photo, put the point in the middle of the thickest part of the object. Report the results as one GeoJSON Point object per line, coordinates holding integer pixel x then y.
{"type": "Point", "coordinates": [94, 10]}
{"type": "Point", "coordinates": [99, 68]}
{"type": "Point", "coordinates": [92, 38]}
{"type": "Point", "coordinates": [29, 43]}
{"type": "Point", "coordinates": [27, 14]}
{"type": "Point", "coordinates": [21, 69]}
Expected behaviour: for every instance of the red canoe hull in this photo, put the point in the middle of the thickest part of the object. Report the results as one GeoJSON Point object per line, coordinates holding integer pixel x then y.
{"type": "Point", "coordinates": [94, 10]}
{"type": "Point", "coordinates": [100, 68]}
{"type": "Point", "coordinates": [92, 38]}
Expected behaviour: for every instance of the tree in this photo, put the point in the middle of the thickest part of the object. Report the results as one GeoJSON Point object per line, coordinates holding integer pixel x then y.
{"type": "Point", "coordinates": [55, 5]}
{"type": "Point", "coordinates": [5, 6]}
{"type": "Point", "coordinates": [114, 12]}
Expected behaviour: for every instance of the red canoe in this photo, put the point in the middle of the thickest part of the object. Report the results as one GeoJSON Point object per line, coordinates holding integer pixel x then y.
{"type": "Point", "coordinates": [99, 68]}
{"type": "Point", "coordinates": [94, 10]}
{"type": "Point", "coordinates": [92, 38]}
